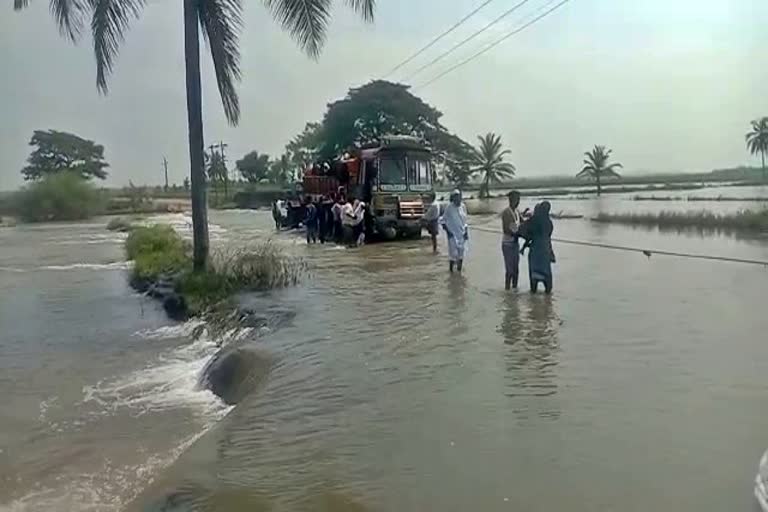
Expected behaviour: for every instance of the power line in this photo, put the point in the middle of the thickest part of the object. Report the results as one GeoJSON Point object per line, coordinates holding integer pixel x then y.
{"type": "Point", "coordinates": [646, 252]}
{"type": "Point", "coordinates": [438, 38]}
{"type": "Point", "coordinates": [496, 43]}
{"type": "Point", "coordinates": [468, 39]}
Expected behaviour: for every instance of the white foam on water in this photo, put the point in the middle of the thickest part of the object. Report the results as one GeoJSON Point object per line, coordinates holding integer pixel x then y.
{"type": "Point", "coordinates": [110, 489]}
{"type": "Point", "coordinates": [761, 483]}
{"type": "Point", "coordinates": [90, 242]}
{"type": "Point", "coordinates": [182, 330]}
{"type": "Point", "coordinates": [167, 383]}
{"type": "Point", "coordinates": [117, 265]}
{"type": "Point", "coordinates": [11, 269]}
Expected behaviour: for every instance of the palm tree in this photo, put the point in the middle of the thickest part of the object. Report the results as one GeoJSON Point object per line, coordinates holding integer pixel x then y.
{"type": "Point", "coordinates": [220, 22]}
{"type": "Point", "coordinates": [596, 166]}
{"type": "Point", "coordinates": [757, 139]}
{"type": "Point", "coordinates": [216, 169]}
{"type": "Point", "coordinates": [488, 158]}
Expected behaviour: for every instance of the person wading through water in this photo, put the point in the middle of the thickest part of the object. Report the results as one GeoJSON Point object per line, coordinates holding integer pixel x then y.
{"type": "Point", "coordinates": [431, 220]}
{"type": "Point", "coordinates": [454, 221]}
{"type": "Point", "coordinates": [538, 234]}
{"type": "Point", "coordinates": [311, 220]}
{"type": "Point", "coordinates": [510, 248]}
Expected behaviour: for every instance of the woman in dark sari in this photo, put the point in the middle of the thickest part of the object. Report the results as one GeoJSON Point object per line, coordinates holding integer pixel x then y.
{"type": "Point", "coordinates": [538, 234]}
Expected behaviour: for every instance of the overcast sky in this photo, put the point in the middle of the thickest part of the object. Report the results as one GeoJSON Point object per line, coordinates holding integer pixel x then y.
{"type": "Point", "coordinates": [668, 84]}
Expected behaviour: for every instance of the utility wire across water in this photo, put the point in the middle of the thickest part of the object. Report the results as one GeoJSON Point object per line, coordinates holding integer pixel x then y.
{"type": "Point", "coordinates": [646, 252]}
{"type": "Point", "coordinates": [438, 38]}
{"type": "Point", "coordinates": [495, 43]}
{"type": "Point", "coordinates": [466, 40]}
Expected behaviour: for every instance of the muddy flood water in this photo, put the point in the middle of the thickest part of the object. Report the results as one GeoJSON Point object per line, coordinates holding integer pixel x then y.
{"type": "Point", "coordinates": [383, 383]}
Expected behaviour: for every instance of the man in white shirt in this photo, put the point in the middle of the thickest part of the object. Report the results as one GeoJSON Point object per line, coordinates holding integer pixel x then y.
{"type": "Point", "coordinates": [352, 215]}
{"type": "Point", "coordinates": [510, 248]}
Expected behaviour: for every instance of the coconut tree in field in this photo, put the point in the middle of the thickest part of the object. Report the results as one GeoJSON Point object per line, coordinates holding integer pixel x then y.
{"type": "Point", "coordinates": [757, 140]}
{"type": "Point", "coordinates": [596, 166]}
{"type": "Point", "coordinates": [488, 160]}
{"type": "Point", "coordinates": [220, 22]}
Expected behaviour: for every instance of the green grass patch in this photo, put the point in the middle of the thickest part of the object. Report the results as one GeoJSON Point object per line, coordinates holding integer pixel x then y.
{"type": "Point", "coordinates": [752, 221]}
{"type": "Point", "coordinates": [158, 251]}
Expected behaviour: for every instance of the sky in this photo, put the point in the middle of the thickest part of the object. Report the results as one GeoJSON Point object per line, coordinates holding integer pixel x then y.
{"type": "Point", "coordinates": [669, 85]}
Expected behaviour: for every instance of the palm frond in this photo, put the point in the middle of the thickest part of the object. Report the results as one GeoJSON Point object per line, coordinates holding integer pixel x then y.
{"type": "Point", "coordinates": [221, 21]}
{"type": "Point", "coordinates": [306, 20]}
{"type": "Point", "coordinates": [109, 22]}
{"type": "Point", "coordinates": [69, 16]}
{"type": "Point", "coordinates": [364, 7]}
{"type": "Point", "coordinates": [20, 4]}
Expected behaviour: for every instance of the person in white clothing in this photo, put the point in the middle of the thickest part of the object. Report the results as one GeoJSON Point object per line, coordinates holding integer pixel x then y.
{"type": "Point", "coordinates": [352, 215]}
{"type": "Point", "coordinates": [454, 222]}
{"type": "Point", "coordinates": [431, 219]}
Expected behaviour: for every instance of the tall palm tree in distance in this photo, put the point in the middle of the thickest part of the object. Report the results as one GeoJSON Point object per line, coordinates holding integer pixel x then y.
{"type": "Point", "coordinates": [596, 166]}
{"type": "Point", "coordinates": [220, 22]}
{"type": "Point", "coordinates": [757, 140]}
{"type": "Point", "coordinates": [488, 159]}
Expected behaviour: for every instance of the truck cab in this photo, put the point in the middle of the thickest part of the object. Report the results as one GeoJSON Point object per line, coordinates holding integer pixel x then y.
{"type": "Point", "coordinates": [394, 178]}
{"type": "Point", "coordinates": [398, 179]}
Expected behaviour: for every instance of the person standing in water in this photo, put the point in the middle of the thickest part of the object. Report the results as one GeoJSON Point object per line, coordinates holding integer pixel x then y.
{"type": "Point", "coordinates": [510, 248]}
{"type": "Point", "coordinates": [454, 221]}
{"type": "Point", "coordinates": [431, 219]}
{"type": "Point", "coordinates": [311, 221]}
{"type": "Point", "coordinates": [538, 234]}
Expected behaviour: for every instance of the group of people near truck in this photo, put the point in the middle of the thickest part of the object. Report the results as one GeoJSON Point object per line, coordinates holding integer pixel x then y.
{"type": "Point", "coordinates": [335, 218]}
{"type": "Point", "coordinates": [534, 228]}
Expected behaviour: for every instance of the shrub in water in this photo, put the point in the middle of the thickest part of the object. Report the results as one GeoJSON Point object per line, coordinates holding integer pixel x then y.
{"type": "Point", "coordinates": [262, 266]}
{"type": "Point", "coordinates": [156, 250]}
{"type": "Point", "coordinates": [61, 196]}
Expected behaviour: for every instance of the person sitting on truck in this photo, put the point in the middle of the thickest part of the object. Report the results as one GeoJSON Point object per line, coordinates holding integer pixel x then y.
{"type": "Point", "coordinates": [310, 220]}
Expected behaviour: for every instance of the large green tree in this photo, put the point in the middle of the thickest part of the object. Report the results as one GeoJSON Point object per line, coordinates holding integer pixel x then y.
{"type": "Point", "coordinates": [304, 149]}
{"type": "Point", "coordinates": [488, 160]}
{"type": "Point", "coordinates": [280, 170]}
{"type": "Point", "coordinates": [56, 152]}
{"type": "Point", "coordinates": [220, 22]}
{"type": "Point", "coordinates": [596, 166]}
{"type": "Point", "coordinates": [757, 139]}
{"type": "Point", "coordinates": [381, 108]}
{"type": "Point", "coordinates": [254, 166]}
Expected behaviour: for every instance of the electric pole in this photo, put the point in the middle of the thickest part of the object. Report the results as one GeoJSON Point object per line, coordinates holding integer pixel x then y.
{"type": "Point", "coordinates": [225, 175]}
{"type": "Point", "coordinates": [165, 168]}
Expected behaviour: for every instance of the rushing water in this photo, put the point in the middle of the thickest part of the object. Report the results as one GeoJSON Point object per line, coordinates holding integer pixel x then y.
{"type": "Point", "coordinates": [640, 385]}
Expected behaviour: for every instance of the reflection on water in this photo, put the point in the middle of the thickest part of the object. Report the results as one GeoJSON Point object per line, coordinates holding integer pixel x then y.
{"type": "Point", "coordinates": [529, 326]}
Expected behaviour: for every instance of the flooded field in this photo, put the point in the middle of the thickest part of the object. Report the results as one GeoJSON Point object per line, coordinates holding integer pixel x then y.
{"type": "Point", "coordinates": [639, 385]}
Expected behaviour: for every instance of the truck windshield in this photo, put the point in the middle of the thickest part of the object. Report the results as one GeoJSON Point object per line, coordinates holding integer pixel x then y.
{"type": "Point", "coordinates": [419, 174]}
{"type": "Point", "coordinates": [392, 174]}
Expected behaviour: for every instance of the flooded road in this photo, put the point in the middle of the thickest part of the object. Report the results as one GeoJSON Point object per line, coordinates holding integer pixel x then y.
{"type": "Point", "coordinates": [639, 385]}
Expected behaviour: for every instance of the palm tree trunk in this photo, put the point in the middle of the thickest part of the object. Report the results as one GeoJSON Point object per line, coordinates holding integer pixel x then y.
{"type": "Point", "coordinates": [195, 123]}
{"type": "Point", "coordinates": [599, 188]}
{"type": "Point", "coordinates": [762, 153]}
